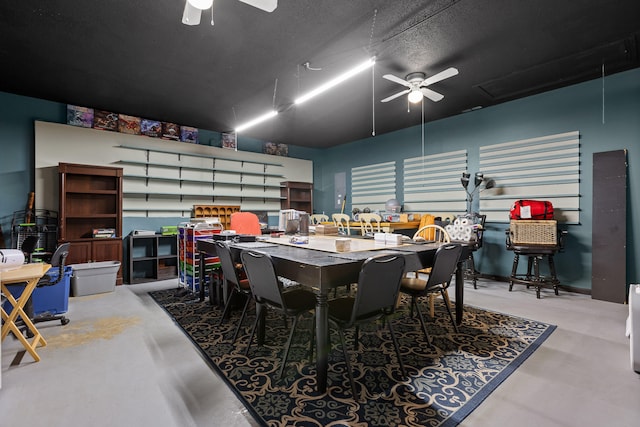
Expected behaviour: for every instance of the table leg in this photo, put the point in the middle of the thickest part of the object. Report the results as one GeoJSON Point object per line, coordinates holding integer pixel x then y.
{"type": "Point", "coordinates": [260, 319]}
{"type": "Point", "coordinates": [202, 277]}
{"type": "Point", "coordinates": [322, 340]}
{"type": "Point", "coordinates": [17, 311]}
{"type": "Point", "coordinates": [459, 292]}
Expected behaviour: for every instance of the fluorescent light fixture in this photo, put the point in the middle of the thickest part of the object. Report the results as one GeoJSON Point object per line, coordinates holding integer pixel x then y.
{"type": "Point", "coordinates": [201, 4]}
{"type": "Point", "coordinates": [257, 120]}
{"type": "Point", "coordinates": [334, 82]}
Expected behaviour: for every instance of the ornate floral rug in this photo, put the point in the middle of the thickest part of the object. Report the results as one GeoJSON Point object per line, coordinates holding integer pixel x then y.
{"type": "Point", "coordinates": [443, 384]}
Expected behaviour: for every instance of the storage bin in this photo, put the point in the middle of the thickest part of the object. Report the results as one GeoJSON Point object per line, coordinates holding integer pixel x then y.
{"type": "Point", "coordinates": [94, 277]}
{"type": "Point", "coordinates": [533, 232]}
{"type": "Point", "coordinates": [52, 299]}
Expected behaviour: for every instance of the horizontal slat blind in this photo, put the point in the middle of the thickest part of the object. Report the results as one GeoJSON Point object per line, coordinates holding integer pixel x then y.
{"type": "Point", "coordinates": [432, 183]}
{"type": "Point", "coordinates": [544, 168]}
{"type": "Point", "coordinates": [373, 185]}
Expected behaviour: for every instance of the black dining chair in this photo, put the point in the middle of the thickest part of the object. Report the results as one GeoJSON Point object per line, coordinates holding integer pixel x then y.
{"type": "Point", "coordinates": [231, 272]}
{"type": "Point", "coordinates": [444, 266]}
{"type": "Point", "coordinates": [375, 298]}
{"type": "Point", "coordinates": [269, 293]}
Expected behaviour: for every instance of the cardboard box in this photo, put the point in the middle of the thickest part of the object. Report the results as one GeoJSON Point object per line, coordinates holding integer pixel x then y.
{"type": "Point", "coordinates": [128, 124]}
{"type": "Point", "coordinates": [343, 245]}
{"type": "Point", "coordinates": [189, 134]}
{"type": "Point", "coordinates": [105, 120]}
{"type": "Point", "coordinates": [79, 116]}
{"type": "Point", "coordinates": [152, 128]}
{"type": "Point", "coordinates": [170, 131]}
{"type": "Point", "coordinates": [326, 230]}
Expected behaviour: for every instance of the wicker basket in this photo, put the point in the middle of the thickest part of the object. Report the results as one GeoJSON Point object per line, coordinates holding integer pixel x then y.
{"type": "Point", "coordinates": [533, 232]}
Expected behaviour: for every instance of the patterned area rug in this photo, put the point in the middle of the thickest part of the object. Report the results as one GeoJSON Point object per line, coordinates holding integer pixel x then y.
{"type": "Point", "coordinates": [444, 383]}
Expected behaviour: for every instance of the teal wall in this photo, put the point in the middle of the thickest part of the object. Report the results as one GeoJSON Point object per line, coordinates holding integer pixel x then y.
{"type": "Point", "coordinates": [578, 107]}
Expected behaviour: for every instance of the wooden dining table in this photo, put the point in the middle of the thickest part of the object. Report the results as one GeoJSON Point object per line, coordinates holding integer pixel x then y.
{"type": "Point", "coordinates": [319, 266]}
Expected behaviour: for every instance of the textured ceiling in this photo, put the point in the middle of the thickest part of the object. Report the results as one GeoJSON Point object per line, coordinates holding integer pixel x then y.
{"type": "Point", "coordinates": [136, 57]}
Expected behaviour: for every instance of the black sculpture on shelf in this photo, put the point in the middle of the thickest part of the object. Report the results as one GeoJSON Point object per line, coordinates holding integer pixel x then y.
{"type": "Point", "coordinates": [479, 178]}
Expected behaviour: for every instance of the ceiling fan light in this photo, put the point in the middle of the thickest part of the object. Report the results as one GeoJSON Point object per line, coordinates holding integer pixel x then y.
{"type": "Point", "coordinates": [415, 96]}
{"type": "Point", "coordinates": [201, 4]}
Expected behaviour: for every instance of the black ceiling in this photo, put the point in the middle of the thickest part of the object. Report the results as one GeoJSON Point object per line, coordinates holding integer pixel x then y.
{"type": "Point", "coordinates": [136, 57]}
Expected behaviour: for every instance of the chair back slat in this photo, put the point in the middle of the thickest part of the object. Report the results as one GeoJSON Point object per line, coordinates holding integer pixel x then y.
{"type": "Point", "coordinates": [369, 223]}
{"type": "Point", "coordinates": [432, 232]}
{"type": "Point", "coordinates": [342, 222]}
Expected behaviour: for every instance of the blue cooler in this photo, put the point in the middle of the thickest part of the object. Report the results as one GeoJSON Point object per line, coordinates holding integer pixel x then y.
{"type": "Point", "coordinates": [47, 299]}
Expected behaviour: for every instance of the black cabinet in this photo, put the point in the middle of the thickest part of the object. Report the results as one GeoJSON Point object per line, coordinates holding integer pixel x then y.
{"type": "Point", "coordinates": [152, 257]}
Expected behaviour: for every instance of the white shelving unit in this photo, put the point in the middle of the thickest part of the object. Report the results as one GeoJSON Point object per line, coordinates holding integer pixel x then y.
{"type": "Point", "coordinates": [157, 180]}
{"type": "Point", "coordinates": [165, 178]}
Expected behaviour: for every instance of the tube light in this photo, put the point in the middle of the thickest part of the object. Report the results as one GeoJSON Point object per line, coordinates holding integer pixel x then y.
{"type": "Point", "coordinates": [336, 81]}
{"type": "Point", "coordinates": [257, 120]}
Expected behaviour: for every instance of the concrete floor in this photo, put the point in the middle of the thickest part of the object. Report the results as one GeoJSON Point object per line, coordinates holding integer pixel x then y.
{"type": "Point", "coordinates": [123, 362]}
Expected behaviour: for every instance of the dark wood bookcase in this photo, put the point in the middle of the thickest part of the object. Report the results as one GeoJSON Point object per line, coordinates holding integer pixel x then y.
{"type": "Point", "coordinates": [297, 195]}
{"type": "Point", "coordinates": [91, 198]}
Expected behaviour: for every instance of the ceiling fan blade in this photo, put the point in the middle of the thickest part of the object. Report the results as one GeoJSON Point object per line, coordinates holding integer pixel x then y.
{"type": "Point", "coordinates": [396, 80]}
{"type": "Point", "coordinates": [432, 95]}
{"type": "Point", "coordinates": [191, 15]}
{"type": "Point", "coordinates": [449, 72]}
{"type": "Point", "coordinates": [396, 95]}
{"type": "Point", "coordinates": [266, 5]}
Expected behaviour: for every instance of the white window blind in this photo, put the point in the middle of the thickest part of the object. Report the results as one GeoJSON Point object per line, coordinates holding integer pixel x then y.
{"type": "Point", "coordinates": [373, 185]}
{"type": "Point", "coordinates": [432, 183]}
{"type": "Point", "coordinates": [544, 168]}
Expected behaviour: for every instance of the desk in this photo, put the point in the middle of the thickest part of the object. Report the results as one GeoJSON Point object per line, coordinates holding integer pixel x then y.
{"type": "Point", "coordinates": [31, 274]}
{"type": "Point", "coordinates": [323, 271]}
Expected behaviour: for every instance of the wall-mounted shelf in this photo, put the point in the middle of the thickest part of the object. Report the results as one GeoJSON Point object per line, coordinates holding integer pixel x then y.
{"type": "Point", "coordinates": [206, 156]}
{"type": "Point", "coordinates": [201, 168]}
{"type": "Point", "coordinates": [217, 182]}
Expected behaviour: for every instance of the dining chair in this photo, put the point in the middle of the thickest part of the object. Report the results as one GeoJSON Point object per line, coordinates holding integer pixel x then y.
{"type": "Point", "coordinates": [268, 293]}
{"type": "Point", "coordinates": [318, 219]}
{"type": "Point", "coordinates": [375, 298]}
{"type": "Point", "coordinates": [369, 223]}
{"type": "Point", "coordinates": [245, 223]}
{"type": "Point", "coordinates": [342, 222]}
{"type": "Point", "coordinates": [444, 266]}
{"type": "Point", "coordinates": [231, 273]}
{"type": "Point", "coordinates": [438, 234]}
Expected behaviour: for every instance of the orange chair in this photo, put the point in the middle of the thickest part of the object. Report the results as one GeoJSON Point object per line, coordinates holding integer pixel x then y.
{"type": "Point", "coordinates": [245, 223]}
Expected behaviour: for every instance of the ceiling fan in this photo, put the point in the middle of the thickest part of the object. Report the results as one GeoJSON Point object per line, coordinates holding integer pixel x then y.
{"type": "Point", "coordinates": [417, 84]}
{"type": "Point", "coordinates": [193, 9]}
